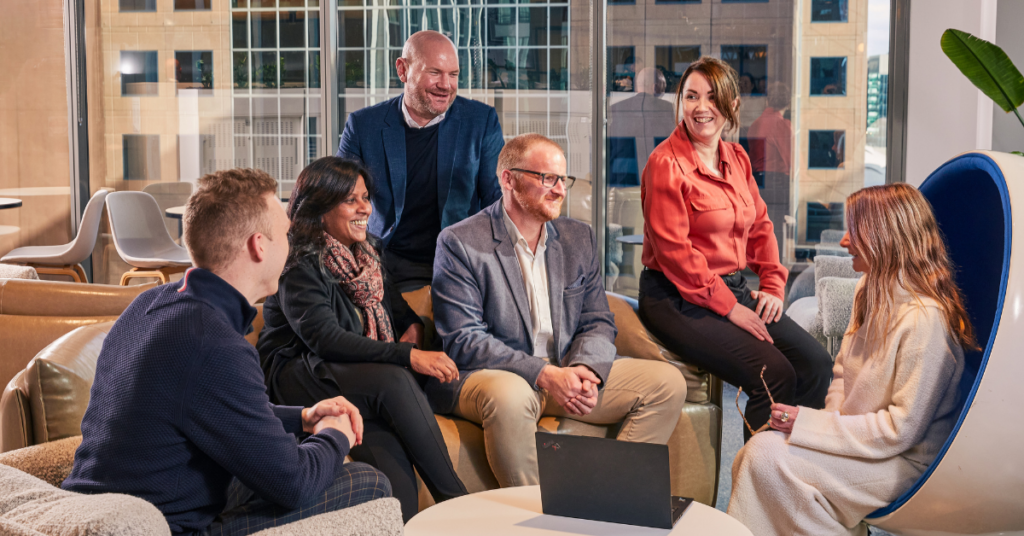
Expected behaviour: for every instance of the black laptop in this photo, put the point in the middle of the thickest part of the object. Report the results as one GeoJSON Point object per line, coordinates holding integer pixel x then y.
{"type": "Point", "coordinates": [607, 480]}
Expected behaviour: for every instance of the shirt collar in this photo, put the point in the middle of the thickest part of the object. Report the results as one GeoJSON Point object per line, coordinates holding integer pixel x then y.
{"type": "Point", "coordinates": [411, 123]}
{"type": "Point", "coordinates": [687, 156]}
{"type": "Point", "coordinates": [209, 288]}
{"type": "Point", "coordinates": [517, 237]}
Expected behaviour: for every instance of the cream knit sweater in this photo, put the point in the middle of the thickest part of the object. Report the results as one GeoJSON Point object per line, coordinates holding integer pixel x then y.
{"type": "Point", "coordinates": [889, 409]}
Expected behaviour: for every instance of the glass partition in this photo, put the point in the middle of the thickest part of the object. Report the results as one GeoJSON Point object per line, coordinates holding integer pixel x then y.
{"type": "Point", "coordinates": [530, 60]}
{"type": "Point", "coordinates": [813, 81]}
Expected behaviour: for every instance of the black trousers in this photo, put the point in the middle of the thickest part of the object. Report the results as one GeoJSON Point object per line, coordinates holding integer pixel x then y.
{"type": "Point", "coordinates": [399, 427]}
{"type": "Point", "coordinates": [799, 369]}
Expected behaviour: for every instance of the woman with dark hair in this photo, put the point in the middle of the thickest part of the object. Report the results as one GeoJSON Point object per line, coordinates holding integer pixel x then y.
{"type": "Point", "coordinates": [337, 327]}
{"type": "Point", "coordinates": [704, 222]}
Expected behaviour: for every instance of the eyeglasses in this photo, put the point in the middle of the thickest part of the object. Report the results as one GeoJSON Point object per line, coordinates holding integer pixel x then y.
{"type": "Point", "coordinates": [549, 180]}
{"type": "Point", "coordinates": [740, 390]}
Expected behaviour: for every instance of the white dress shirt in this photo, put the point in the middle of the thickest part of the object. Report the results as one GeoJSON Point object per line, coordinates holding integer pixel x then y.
{"type": "Point", "coordinates": [535, 279]}
{"type": "Point", "coordinates": [412, 122]}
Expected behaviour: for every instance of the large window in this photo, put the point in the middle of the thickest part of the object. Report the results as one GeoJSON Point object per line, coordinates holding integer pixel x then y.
{"type": "Point", "coordinates": [179, 88]}
{"type": "Point", "coordinates": [812, 112]}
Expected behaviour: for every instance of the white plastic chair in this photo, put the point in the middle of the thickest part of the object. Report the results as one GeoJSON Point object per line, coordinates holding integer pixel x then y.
{"type": "Point", "coordinates": [141, 237]}
{"type": "Point", "coordinates": [976, 483]}
{"type": "Point", "coordinates": [167, 195]}
{"type": "Point", "coordinates": [65, 259]}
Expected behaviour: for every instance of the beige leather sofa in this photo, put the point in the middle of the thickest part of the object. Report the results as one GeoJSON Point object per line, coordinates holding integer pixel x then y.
{"type": "Point", "coordinates": [46, 401]}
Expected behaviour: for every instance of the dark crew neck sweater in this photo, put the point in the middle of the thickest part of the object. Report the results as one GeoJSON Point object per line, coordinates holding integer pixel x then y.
{"type": "Point", "coordinates": [178, 406]}
{"type": "Point", "coordinates": [416, 235]}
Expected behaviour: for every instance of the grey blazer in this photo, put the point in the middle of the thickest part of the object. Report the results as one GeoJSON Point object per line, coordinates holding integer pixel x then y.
{"type": "Point", "coordinates": [481, 309]}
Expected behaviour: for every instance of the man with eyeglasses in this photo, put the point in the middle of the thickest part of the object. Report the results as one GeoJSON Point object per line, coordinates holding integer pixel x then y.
{"type": "Point", "coordinates": [519, 304]}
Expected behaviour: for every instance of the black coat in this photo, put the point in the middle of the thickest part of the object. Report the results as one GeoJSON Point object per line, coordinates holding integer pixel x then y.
{"type": "Point", "coordinates": [312, 319]}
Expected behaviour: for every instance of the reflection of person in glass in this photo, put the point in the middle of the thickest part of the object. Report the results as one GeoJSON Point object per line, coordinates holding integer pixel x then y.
{"type": "Point", "coordinates": [704, 222]}
{"type": "Point", "coordinates": [633, 126]}
{"type": "Point", "coordinates": [770, 137]}
{"type": "Point", "coordinates": [895, 396]}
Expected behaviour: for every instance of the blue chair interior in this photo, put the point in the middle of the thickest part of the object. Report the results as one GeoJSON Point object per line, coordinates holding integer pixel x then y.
{"type": "Point", "coordinates": [972, 207]}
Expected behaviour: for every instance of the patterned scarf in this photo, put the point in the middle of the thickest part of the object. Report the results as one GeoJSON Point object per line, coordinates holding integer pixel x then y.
{"type": "Point", "coordinates": [359, 274]}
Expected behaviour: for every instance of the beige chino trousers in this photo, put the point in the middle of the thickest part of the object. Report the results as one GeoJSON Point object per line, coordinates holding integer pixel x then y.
{"type": "Point", "coordinates": [647, 395]}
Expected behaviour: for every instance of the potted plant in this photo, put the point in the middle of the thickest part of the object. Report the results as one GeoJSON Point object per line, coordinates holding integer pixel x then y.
{"type": "Point", "coordinates": [988, 68]}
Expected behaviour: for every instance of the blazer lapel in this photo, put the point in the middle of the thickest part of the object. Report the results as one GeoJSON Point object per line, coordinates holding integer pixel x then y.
{"type": "Point", "coordinates": [506, 253]}
{"type": "Point", "coordinates": [556, 283]}
{"type": "Point", "coordinates": [394, 150]}
{"type": "Point", "coordinates": [447, 147]}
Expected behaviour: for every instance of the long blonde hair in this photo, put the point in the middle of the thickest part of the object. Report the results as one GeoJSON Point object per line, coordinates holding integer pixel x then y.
{"type": "Point", "coordinates": [894, 230]}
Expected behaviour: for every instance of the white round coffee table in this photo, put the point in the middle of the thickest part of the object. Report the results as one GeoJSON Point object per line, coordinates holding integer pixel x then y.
{"type": "Point", "coordinates": [517, 511]}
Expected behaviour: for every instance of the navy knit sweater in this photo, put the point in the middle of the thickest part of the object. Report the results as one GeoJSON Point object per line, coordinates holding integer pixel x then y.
{"type": "Point", "coordinates": [179, 406]}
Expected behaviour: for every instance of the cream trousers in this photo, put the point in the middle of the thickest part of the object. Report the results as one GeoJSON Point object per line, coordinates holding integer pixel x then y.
{"type": "Point", "coordinates": [647, 396]}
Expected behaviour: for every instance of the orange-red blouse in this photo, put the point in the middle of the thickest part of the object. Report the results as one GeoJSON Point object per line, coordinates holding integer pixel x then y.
{"type": "Point", "coordinates": [698, 227]}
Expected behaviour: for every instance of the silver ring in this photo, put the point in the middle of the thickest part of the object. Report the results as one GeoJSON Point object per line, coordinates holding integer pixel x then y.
{"type": "Point", "coordinates": [785, 416]}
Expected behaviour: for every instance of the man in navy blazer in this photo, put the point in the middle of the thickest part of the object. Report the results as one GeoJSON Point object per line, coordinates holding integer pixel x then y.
{"type": "Point", "coordinates": [519, 304]}
{"type": "Point", "coordinates": [432, 156]}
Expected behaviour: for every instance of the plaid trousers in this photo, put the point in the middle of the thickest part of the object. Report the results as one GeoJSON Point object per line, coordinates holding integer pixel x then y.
{"type": "Point", "coordinates": [246, 513]}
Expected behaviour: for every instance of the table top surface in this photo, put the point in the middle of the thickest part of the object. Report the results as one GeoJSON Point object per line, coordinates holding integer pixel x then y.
{"type": "Point", "coordinates": [631, 239]}
{"type": "Point", "coordinates": [9, 202]}
{"type": "Point", "coordinates": [175, 212]}
{"type": "Point", "coordinates": [517, 511]}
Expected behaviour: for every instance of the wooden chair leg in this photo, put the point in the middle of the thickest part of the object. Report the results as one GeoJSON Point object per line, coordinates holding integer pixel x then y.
{"type": "Point", "coordinates": [81, 273]}
{"type": "Point", "coordinates": [65, 270]}
{"type": "Point", "coordinates": [163, 273]}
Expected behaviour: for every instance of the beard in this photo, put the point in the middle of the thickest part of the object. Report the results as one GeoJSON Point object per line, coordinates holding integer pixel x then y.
{"type": "Point", "coordinates": [422, 103]}
{"type": "Point", "coordinates": [536, 207]}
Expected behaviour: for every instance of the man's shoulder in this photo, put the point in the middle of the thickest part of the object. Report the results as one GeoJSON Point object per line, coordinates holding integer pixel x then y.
{"type": "Point", "coordinates": [476, 226]}
{"type": "Point", "coordinates": [473, 108]}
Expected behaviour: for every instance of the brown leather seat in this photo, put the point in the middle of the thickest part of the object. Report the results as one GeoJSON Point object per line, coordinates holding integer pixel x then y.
{"type": "Point", "coordinates": [35, 313]}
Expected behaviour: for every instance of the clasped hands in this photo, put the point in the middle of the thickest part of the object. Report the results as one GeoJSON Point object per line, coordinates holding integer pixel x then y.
{"type": "Point", "coordinates": [574, 388]}
{"type": "Point", "coordinates": [336, 413]}
{"type": "Point", "coordinates": [769, 309]}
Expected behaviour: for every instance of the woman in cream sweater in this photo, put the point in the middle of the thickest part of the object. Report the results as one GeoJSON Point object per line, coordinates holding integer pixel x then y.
{"type": "Point", "coordinates": [894, 393]}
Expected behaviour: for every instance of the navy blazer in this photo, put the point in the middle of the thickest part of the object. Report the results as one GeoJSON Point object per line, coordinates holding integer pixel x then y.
{"type": "Point", "coordinates": [467, 156]}
{"type": "Point", "coordinates": [482, 312]}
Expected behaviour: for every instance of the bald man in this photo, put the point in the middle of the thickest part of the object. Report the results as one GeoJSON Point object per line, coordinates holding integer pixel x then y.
{"type": "Point", "coordinates": [432, 155]}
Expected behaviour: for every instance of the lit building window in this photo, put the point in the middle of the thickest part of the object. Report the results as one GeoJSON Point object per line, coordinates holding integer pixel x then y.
{"type": "Point", "coordinates": [139, 73]}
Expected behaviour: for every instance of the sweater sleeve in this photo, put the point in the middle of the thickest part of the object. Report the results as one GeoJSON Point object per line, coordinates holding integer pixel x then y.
{"type": "Point", "coordinates": [925, 364]}
{"type": "Point", "coordinates": [667, 230]}
{"type": "Point", "coordinates": [306, 303]}
{"type": "Point", "coordinates": [229, 417]}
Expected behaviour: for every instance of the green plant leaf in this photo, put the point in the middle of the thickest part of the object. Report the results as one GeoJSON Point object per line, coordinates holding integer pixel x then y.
{"type": "Point", "coordinates": [986, 66]}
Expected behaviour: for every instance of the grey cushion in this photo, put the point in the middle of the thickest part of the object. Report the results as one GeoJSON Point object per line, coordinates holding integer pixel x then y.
{"type": "Point", "coordinates": [834, 266]}
{"type": "Point", "coordinates": [33, 506]}
{"type": "Point", "coordinates": [382, 517]}
{"type": "Point", "coordinates": [802, 287]}
{"type": "Point", "coordinates": [835, 303]}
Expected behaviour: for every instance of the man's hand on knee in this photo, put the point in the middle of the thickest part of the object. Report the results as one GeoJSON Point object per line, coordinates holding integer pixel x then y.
{"type": "Point", "coordinates": [334, 407]}
{"type": "Point", "coordinates": [573, 388]}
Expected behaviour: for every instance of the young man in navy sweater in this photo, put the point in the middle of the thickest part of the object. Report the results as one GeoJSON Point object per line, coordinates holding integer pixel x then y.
{"type": "Point", "coordinates": [179, 414]}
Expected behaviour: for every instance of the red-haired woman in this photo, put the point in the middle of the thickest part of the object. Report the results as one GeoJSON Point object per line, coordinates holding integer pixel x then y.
{"type": "Point", "coordinates": [704, 222]}
{"type": "Point", "coordinates": [895, 395]}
